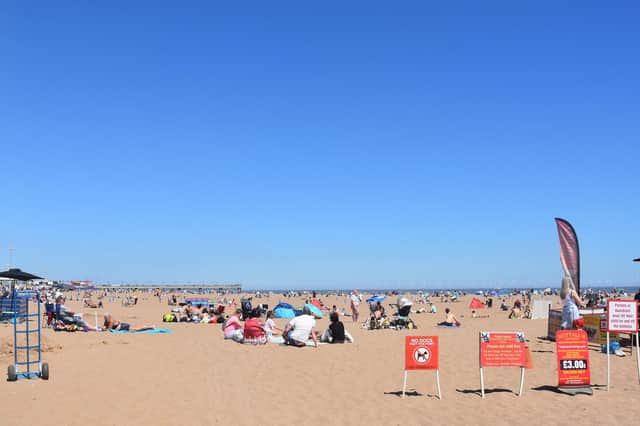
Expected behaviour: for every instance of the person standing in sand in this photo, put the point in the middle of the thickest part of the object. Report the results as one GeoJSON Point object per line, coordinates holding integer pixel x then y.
{"type": "Point", "coordinates": [355, 305]}
{"type": "Point", "coordinates": [571, 303]}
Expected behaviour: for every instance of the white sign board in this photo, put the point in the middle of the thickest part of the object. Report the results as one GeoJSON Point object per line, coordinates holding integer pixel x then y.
{"type": "Point", "coordinates": [540, 309]}
{"type": "Point", "coordinates": [622, 315]}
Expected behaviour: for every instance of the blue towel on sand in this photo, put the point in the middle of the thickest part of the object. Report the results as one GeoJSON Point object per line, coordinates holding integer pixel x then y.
{"type": "Point", "coordinates": [150, 331]}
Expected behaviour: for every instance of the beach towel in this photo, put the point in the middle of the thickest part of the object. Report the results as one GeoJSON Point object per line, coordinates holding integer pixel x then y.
{"type": "Point", "coordinates": [449, 326]}
{"type": "Point", "coordinates": [150, 331]}
{"type": "Point", "coordinates": [280, 340]}
{"type": "Point", "coordinates": [276, 339]}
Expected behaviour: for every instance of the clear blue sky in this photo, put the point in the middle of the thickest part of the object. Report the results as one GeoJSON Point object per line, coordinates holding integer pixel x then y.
{"type": "Point", "coordinates": [285, 145]}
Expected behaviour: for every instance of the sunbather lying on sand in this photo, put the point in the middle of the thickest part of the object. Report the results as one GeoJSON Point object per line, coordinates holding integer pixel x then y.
{"type": "Point", "coordinates": [110, 323]}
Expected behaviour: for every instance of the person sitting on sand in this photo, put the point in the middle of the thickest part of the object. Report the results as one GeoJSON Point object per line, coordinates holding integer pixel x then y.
{"type": "Point", "coordinates": [270, 327]}
{"type": "Point", "coordinates": [172, 300]}
{"type": "Point", "coordinates": [503, 305]}
{"type": "Point", "coordinates": [233, 327]}
{"type": "Point", "coordinates": [336, 332]}
{"type": "Point", "coordinates": [65, 316]}
{"type": "Point", "coordinates": [63, 311]}
{"type": "Point", "coordinates": [299, 329]}
{"type": "Point", "coordinates": [89, 303]}
{"type": "Point", "coordinates": [516, 311]}
{"type": "Point", "coordinates": [190, 312]}
{"type": "Point", "coordinates": [110, 323]}
{"type": "Point", "coordinates": [253, 329]}
{"type": "Point", "coordinates": [450, 319]}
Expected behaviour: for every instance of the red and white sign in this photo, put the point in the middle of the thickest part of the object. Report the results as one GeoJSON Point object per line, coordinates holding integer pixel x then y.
{"type": "Point", "coordinates": [421, 352]}
{"type": "Point", "coordinates": [622, 315]}
{"type": "Point", "coordinates": [502, 349]}
{"type": "Point", "coordinates": [572, 347]}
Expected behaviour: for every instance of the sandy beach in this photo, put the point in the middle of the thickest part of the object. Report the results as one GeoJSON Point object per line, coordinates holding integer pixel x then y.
{"type": "Point", "coordinates": [193, 376]}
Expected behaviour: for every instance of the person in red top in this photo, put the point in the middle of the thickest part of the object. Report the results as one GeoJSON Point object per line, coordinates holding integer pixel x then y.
{"type": "Point", "coordinates": [253, 329]}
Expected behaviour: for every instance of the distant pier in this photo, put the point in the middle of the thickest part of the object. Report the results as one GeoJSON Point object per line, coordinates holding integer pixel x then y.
{"type": "Point", "coordinates": [220, 287]}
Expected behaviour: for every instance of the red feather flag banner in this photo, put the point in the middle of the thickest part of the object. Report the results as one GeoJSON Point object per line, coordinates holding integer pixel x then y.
{"type": "Point", "coordinates": [569, 252]}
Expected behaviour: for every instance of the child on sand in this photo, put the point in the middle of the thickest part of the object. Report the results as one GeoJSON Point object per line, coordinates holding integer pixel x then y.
{"type": "Point", "coordinates": [270, 326]}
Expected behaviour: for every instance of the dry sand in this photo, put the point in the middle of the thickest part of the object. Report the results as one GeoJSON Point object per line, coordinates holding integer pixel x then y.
{"type": "Point", "coordinates": [193, 376]}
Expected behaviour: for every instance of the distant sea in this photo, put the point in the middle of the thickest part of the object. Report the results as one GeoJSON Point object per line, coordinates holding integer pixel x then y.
{"type": "Point", "coordinates": [468, 290]}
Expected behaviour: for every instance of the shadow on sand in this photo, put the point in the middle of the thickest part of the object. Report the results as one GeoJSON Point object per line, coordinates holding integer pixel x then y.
{"type": "Point", "coordinates": [407, 393]}
{"type": "Point", "coordinates": [479, 391]}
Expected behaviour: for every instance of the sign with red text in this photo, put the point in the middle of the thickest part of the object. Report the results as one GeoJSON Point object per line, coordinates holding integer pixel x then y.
{"type": "Point", "coordinates": [596, 327]}
{"type": "Point", "coordinates": [622, 315]}
{"type": "Point", "coordinates": [421, 352]}
{"type": "Point", "coordinates": [572, 347]}
{"type": "Point", "coordinates": [502, 349]}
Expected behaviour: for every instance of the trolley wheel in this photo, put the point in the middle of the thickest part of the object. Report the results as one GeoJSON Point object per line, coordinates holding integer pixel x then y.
{"type": "Point", "coordinates": [12, 375]}
{"type": "Point", "coordinates": [44, 373]}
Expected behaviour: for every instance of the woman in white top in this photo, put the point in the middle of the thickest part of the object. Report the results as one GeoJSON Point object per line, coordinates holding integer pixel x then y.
{"type": "Point", "coordinates": [571, 303]}
{"type": "Point", "coordinates": [355, 303]}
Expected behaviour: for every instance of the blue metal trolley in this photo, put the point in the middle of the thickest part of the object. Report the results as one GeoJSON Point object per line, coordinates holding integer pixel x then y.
{"type": "Point", "coordinates": [27, 350]}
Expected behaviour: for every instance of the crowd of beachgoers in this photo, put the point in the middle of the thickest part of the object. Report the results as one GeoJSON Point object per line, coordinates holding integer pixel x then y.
{"type": "Point", "coordinates": [246, 319]}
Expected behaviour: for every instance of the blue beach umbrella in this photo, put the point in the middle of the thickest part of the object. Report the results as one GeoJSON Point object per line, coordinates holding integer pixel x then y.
{"type": "Point", "coordinates": [314, 310]}
{"type": "Point", "coordinates": [375, 299]}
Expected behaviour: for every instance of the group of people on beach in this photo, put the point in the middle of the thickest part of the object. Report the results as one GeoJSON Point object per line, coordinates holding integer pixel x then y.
{"type": "Point", "coordinates": [63, 318]}
{"type": "Point", "coordinates": [299, 331]}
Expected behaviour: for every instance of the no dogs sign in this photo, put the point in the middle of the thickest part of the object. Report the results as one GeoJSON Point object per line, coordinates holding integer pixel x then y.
{"type": "Point", "coordinates": [421, 352]}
